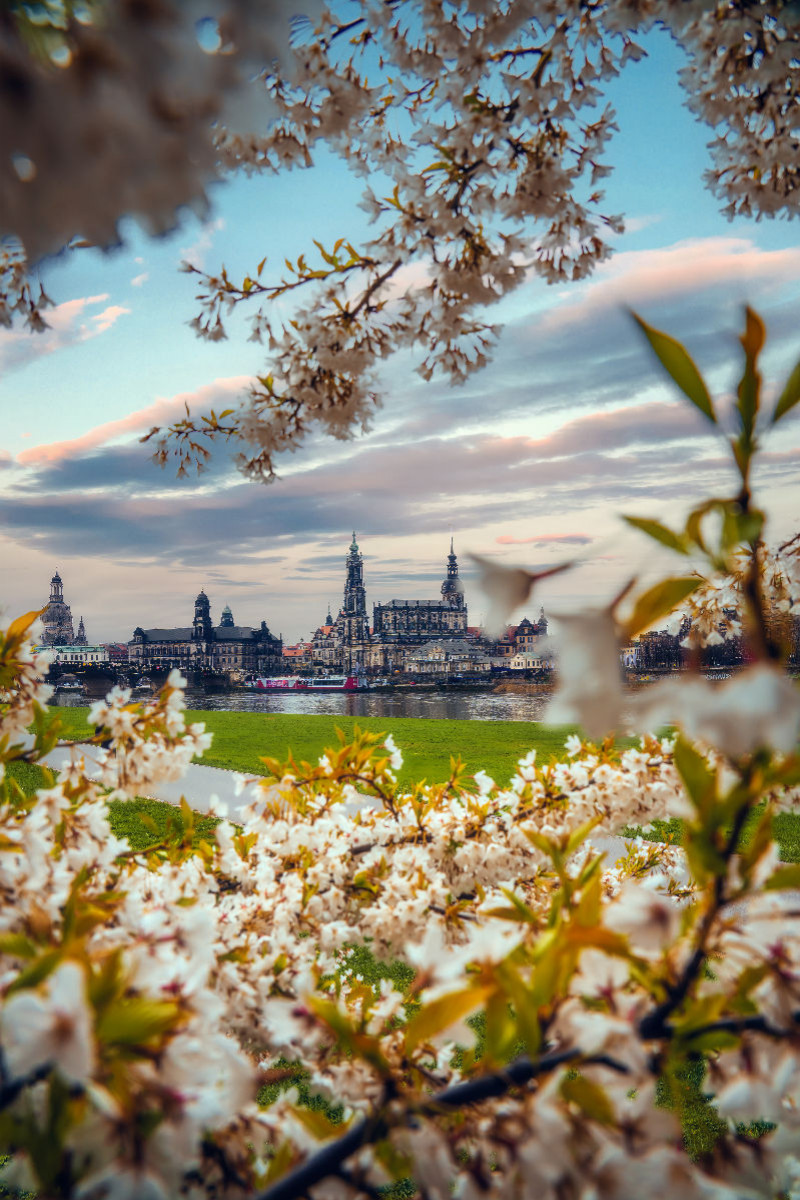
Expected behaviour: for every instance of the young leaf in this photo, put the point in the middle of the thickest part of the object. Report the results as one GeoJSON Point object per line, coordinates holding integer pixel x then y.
{"type": "Point", "coordinates": [750, 384]}
{"type": "Point", "coordinates": [660, 600]}
{"type": "Point", "coordinates": [20, 624]}
{"type": "Point", "coordinates": [698, 778]}
{"type": "Point", "coordinates": [789, 396]}
{"type": "Point", "coordinates": [443, 1012]}
{"type": "Point", "coordinates": [679, 365]}
{"type": "Point", "coordinates": [659, 533]}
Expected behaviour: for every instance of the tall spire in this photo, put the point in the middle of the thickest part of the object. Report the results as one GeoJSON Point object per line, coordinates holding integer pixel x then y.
{"type": "Point", "coordinates": [453, 588]}
{"type": "Point", "coordinates": [355, 627]}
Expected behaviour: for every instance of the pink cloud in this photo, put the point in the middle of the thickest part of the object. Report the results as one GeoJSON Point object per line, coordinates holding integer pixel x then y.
{"type": "Point", "coordinates": [164, 409]}
{"type": "Point", "coordinates": [546, 539]}
{"type": "Point", "coordinates": [70, 323]}
{"type": "Point", "coordinates": [687, 267]}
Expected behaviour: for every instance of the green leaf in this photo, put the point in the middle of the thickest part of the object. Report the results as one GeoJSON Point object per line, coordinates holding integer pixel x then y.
{"type": "Point", "coordinates": [524, 1007]}
{"type": "Point", "coordinates": [677, 362]}
{"type": "Point", "coordinates": [750, 384]}
{"type": "Point", "coordinates": [659, 533]}
{"type": "Point", "coordinates": [433, 1018]}
{"type": "Point", "coordinates": [698, 778]}
{"type": "Point", "coordinates": [789, 396]}
{"type": "Point", "coordinates": [659, 601]}
{"type": "Point", "coordinates": [590, 1098]}
{"type": "Point", "coordinates": [132, 1022]}
{"type": "Point", "coordinates": [36, 972]}
{"type": "Point", "coordinates": [784, 878]}
{"type": "Point", "coordinates": [18, 945]}
{"type": "Point", "coordinates": [579, 835]}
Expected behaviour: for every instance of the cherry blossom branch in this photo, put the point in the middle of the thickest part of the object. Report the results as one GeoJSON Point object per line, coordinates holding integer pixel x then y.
{"type": "Point", "coordinates": [518, 1073]}
{"type": "Point", "coordinates": [654, 1024]}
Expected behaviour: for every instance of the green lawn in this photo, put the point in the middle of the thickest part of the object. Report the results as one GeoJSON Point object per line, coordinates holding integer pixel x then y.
{"type": "Point", "coordinates": [241, 737]}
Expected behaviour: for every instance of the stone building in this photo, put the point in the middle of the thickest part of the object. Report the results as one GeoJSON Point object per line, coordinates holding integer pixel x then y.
{"type": "Point", "coordinates": [349, 644]}
{"type": "Point", "coordinates": [57, 618]}
{"type": "Point", "coordinates": [425, 620]}
{"type": "Point", "coordinates": [227, 648]}
{"type": "Point", "coordinates": [325, 656]}
{"type": "Point", "coordinates": [447, 658]}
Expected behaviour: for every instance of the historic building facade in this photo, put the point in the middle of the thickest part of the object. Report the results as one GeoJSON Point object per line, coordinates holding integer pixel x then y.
{"type": "Point", "coordinates": [227, 648]}
{"type": "Point", "coordinates": [425, 620]}
{"type": "Point", "coordinates": [347, 643]}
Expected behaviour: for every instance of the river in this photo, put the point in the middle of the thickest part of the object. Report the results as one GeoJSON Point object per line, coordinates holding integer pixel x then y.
{"type": "Point", "coordinates": [447, 705]}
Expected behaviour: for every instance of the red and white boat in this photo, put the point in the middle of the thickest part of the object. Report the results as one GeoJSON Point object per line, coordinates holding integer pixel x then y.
{"type": "Point", "coordinates": [310, 683]}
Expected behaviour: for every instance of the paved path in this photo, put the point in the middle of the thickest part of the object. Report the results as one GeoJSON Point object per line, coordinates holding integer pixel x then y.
{"type": "Point", "coordinates": [200, 785]}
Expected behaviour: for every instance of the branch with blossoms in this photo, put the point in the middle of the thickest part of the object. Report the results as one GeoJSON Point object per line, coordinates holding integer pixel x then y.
{"type": "Point", "coordinates": [478, 122]}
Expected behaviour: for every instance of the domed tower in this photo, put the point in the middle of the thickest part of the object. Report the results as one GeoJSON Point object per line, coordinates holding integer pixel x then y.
{"type": "Point", "coordinates": [201, 628]}
{"type": "Point", "coordinates": [57, 617]}
{"type": "Point", "coordinates": [453, 588]}
{"type": "Point", "coordinates": [226, 620]}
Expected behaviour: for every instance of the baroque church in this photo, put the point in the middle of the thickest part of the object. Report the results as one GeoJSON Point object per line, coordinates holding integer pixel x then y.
{"type": "Point", "coordinates": [57, 619]}
{"type": "Point", "coordinates": [225, 648]}
{"type": "Point", "coordinates": [349, 644]}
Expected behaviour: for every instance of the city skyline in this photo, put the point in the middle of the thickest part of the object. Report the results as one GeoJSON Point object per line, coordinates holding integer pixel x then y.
{"type": "Point", "coordinates": [532, 459]}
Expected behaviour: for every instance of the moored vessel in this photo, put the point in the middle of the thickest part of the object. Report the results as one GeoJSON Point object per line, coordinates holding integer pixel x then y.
{"type": "Point", "coordinates": [310, 683]}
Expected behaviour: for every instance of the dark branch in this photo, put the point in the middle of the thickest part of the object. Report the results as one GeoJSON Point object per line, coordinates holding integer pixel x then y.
{"type": "Point", "coordinates": [328, 1161]}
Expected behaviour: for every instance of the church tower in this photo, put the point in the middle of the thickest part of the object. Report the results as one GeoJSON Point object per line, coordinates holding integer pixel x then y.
{"type": "Point", "coordinates": [80, 637]}
{"type": "Point", "coordinates": [453, 588]}
{"type": "Point", "coordinates": [354, 622]}
{"type": "Point", "coordinates": [201, 627]}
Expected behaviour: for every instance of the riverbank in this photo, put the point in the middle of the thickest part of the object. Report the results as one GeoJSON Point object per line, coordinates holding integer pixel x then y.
{"type": "Point", "coordinates": [241, 738]}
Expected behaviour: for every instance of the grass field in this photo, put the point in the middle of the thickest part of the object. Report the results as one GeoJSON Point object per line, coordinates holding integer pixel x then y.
{"type": "Point", "coordinates": [240, 738]}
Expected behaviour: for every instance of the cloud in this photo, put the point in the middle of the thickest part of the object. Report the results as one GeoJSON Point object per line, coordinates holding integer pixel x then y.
{"type": "Point", "coordinates": [161, 411]}
{"type": "Point", "coordinates": [138, 280]}
{"type": "Point", "coordinates": [104, 320]}
{"type": "Point", "coordinates": [70, 323]}
{"type": "Point", "coordinates": [195, 253]}
{"type": "Point", "coordinates": [547, 539]}
{"type": "Point", "coordinates": [5, 460]}
{"type": "Point", "coordinates": [690, 267]}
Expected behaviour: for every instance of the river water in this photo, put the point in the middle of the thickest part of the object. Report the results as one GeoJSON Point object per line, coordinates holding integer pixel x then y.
{"type": "Point", "coordinates": [453, 706]}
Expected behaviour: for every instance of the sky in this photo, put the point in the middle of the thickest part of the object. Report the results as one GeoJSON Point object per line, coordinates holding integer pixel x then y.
{"type": "Point", "coordinates": [532, 460]}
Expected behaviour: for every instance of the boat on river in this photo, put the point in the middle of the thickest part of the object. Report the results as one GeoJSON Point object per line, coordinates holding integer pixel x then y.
{"type": "Point", "coordinates": [307, 683]}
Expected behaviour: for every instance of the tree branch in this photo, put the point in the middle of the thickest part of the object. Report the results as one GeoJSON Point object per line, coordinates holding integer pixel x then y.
{"type": "Point", "coordinates": [329, 1159]}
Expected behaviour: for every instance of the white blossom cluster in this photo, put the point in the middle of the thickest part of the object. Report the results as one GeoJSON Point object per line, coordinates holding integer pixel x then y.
{"type": "Point", "coordinates": [144, 996]}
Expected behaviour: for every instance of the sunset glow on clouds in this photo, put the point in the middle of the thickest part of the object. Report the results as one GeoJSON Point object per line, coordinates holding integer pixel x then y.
{"type": "Point", "coordinates": [532, 459]}
{"type": "Point", "coordinates": [220, 392]}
